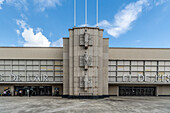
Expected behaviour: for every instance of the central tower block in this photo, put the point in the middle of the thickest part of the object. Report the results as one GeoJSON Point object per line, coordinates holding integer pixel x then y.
{"type": "Point", "coordinates": [85, 55]}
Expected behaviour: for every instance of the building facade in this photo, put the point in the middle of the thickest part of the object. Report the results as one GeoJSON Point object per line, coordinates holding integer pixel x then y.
{"type": "Point", "coordinates": [84, 66]}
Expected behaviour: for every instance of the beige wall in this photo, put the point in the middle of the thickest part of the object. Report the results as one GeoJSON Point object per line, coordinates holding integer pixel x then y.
{"type": "Point", "coordinates": [31, 53]}
{"type": "Point", "coordinates": [66, 66]}
{"type": "Point", "coordinates": [57, 53]}
{"type": "Point", "coordinates": [139, 54]}
{"type": "Point", "coordinates": [70, 55]}
{"type": "Point", "coordinates": [163, 90]}
{"type": "Point", "coordinates": [113, 90]}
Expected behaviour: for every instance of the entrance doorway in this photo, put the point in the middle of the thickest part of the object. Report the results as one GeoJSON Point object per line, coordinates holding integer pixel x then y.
{"type": "Point", "coordinates": [33, 90]}
{"type": "Point", "coordinates": [137, 91]}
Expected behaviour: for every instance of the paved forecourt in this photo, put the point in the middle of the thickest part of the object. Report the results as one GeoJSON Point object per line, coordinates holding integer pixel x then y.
{"type": "Point", "coordinates": [107, 105]}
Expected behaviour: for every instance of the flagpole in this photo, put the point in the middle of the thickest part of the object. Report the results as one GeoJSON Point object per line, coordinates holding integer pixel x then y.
{"type": "Point", "coordinates": [85, 13]}
{"type": "Point", "coordinates": [97, 13]}
{"type": "Point", "coordinates": [74, 13]}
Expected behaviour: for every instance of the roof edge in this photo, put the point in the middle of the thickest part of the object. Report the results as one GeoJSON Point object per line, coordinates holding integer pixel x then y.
{"type": "Point", "coordinates": [87, 28]}
{"type": "Point", "coordinates": [134, 48]}
{"type": "Point", "coordinates": [29, 47]}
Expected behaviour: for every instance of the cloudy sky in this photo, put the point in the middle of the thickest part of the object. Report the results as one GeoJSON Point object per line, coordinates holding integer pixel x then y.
{"type": "Point", "coordinates": [43, 23]}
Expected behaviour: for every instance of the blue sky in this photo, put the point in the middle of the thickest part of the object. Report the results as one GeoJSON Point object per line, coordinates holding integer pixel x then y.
{"type": "Point", "coordinates": [43, 23]}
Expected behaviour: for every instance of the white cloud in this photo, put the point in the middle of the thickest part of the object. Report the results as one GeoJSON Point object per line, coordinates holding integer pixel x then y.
{"type": "Point", "coordinates": [160, 2]}
{"type": "Point", "coordinates": [40, 4]}
{"type": "Point", "coordinates": [23, 16]}
{"type": "Point", "coordinates": [22, 24]}
{"type": "Point", "coordinates": [83, 25]}
{"type": "Point", "coordinates": [13, 45]}
{"type": "Point", "coordinates": [36, 40]}
{"type": "Point", "coordinates": [18, 32]}
{"type": "Point", "coordinates": [124, 18]}
{"type": "Point", "coordinates": [39, 30]}
{"type": "Point", "coordinates": [58, 43]}
{"type": "Point", "coordinates": [43, 4]}
{"type": "Point", "coordinates": [105, 23]}
{"type": "Point", "coordinates": [1, 2]}
{"type": "Point", "coordinates": [31, 39]}
{"type": "Point", "coordinates": [19, 4]}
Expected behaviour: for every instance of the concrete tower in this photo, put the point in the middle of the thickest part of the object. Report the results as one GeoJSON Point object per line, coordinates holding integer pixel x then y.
{"type": "Point", "coordinates": [85, 55]}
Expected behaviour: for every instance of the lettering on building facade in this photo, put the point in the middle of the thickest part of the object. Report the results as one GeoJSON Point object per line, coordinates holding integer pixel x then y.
{"type": "Point", "coordinates": [143, 78]}
{"type": "Point", "coordinates": [1, 77]}
{"type": "Point", "coordinates": [27, 78]}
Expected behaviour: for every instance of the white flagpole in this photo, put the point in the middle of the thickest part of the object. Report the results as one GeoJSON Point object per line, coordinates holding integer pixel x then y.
{"type": "Point", "coordinates": [97, 20]}
{"type": "Point", "coordinates": [74, 13]}
{"type": "Point", "coordinates": [86, 13]}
